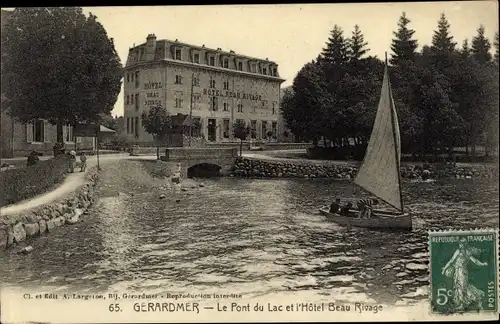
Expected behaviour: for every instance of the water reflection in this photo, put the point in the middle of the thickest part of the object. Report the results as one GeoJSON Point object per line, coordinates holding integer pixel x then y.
{"type": "Point", "coordinates": [255, 237]}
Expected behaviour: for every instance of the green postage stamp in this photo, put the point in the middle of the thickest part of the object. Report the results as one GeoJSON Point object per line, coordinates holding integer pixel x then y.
{"type": "Point", "coordinates": [463, 271]}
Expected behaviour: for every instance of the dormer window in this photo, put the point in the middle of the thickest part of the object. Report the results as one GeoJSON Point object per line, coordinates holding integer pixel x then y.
{"type": "Point", "coordinates": [240, 66]}
{"type": "Point", "coordinates": [264, 71]}
{"type": "Point", "coordinates": [275, 71]}
{"type": "Point", "coordinates": [254, 68]}
{"type": "Point", "coordinates": [178, 54]}
{"type": "Point", "coordinates": [196, 58]}
{"type": "Point", "coordinates": [226, 63]}
{"type": "Point", "coordinates": [211, 61]}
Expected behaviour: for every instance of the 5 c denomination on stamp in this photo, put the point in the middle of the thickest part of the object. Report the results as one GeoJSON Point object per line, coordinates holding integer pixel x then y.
{"type": "Point", "coordinates": [463, 271]}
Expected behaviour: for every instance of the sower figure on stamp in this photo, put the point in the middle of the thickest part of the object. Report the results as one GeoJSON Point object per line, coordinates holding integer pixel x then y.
{"type": "Point", "coordinates": [464, 294]}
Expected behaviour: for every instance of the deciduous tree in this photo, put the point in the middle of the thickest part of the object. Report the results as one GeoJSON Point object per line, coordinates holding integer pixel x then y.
{"type": "Point", "coordinates": [59, 65]}
{"type": "Point", "coordinates": [241, 132]}
{"type": "Point", "coordinates": [157, 122]}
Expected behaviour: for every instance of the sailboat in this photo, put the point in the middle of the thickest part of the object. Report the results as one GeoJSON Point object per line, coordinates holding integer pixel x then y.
{"type": "Point", "coordinates": [379, 173]}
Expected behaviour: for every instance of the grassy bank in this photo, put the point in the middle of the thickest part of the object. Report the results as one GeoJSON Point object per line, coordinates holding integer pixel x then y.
{"type": "Point", "coordinates": [24, 183]}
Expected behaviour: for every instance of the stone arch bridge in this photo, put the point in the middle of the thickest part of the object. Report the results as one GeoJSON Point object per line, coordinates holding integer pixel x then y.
{"type": "Point", "coordinates": [189, 158]}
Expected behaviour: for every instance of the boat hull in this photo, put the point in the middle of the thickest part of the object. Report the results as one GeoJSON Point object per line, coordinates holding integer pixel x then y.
{"type": "Point", "coordinates": [382, 219]}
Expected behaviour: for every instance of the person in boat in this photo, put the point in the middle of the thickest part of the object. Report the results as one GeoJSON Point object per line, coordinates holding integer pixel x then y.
{"type": "Point", "coordinates": [335, 206]}
{"type": "Point", "coordinates": [344, 211]}
{"type": "Point", "coordinates": [365, 207]}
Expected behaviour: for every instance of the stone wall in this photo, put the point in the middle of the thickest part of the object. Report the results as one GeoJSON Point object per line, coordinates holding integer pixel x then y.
{"type": "Point", "coordinates": [15, 229]}
{"type": "Point", "coordinates": [252, 167]}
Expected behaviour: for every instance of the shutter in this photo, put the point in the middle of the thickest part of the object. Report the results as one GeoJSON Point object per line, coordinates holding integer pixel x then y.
{"type": "Point", "coordinates": [45, 131]}
{"type": "Point", "coordinates": [29, 132]}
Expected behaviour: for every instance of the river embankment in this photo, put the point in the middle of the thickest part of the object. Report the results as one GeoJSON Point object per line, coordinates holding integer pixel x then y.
{"type": "Point", "coordinates": [272, 167]}
{"type": "Point", "coordinates": [20, 228]}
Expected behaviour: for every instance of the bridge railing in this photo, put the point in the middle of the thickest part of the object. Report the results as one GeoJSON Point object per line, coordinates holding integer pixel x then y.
{"type": "Point", "coordinates": [188, 153]}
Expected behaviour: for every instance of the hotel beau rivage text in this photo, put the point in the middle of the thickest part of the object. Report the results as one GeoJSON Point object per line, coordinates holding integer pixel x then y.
{"type": "Point", "coordinates": [215, 86]}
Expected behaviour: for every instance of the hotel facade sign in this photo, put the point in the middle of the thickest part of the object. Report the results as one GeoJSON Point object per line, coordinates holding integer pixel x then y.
{"type": "Point", "coordinates": [232, 94]}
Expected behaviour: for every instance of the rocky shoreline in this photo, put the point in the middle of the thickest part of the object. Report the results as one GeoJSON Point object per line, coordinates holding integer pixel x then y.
{"type": "Point", "coordinates": [15, 229]}
{"type": "Point", "coordinates": [254, 167]}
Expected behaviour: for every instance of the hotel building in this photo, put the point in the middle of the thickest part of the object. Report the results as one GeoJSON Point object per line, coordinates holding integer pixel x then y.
{"type": "Point", "coordinates": [214, 86]}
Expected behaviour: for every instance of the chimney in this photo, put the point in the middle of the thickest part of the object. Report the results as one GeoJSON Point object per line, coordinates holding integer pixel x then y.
{"type": "Point", "coordinates": [149, 50]}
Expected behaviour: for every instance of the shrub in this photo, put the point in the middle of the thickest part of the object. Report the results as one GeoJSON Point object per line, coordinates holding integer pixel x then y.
{"type": "Point", "coordinates": [24, 183]}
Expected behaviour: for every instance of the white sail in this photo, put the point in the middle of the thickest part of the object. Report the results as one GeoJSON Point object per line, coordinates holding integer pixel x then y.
{"type": "Point", "coordinates": [379, 172]}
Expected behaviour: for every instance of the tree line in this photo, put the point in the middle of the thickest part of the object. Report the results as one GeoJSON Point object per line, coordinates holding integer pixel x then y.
{"type": "Point", "coordinates": [446, 95]}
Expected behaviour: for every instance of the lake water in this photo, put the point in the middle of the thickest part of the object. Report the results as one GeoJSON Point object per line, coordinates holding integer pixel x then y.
{"type": "Point", "coordinates": [255, 237]}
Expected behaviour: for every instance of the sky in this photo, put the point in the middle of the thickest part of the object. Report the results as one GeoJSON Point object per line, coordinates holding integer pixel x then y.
{"type": "Point", "coordinates": [289, 34]}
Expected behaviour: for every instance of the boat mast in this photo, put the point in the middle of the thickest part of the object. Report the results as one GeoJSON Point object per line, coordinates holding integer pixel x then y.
{"type": "Point", "coordinates": [398, 162]}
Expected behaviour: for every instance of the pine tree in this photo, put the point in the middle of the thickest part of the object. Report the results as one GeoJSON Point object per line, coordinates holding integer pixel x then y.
{"type": "Point", "coordinates": [481, 47]}
{"type": "Point", "coordinates": [403, 46]}
{"type": "Point", "coordinates": [335, 52]}
{"type": "Point", "coordinates": [443, 45]}
{"type": "Point", "coordinates": [495, 43]}
{"type": "Point", "coordinates": [357, 45]}
{"type": "Point", "coordinates": [465, 51]}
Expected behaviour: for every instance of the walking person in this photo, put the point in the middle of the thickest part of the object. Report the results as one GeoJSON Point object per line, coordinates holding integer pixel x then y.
{"type": "Point", "coordinates": [32, 158]}
{"type": "Point", "coordinates": [72, 161]}
{"type": "Point", "coordinates": [83, 160]}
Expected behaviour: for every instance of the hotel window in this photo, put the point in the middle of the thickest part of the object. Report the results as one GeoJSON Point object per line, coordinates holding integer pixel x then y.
{"type": "Point", "coordinates": [178, 54]}
{"type": "Point", "coordinates": [136, 102]}
{"type": "Point", "coordinates": [128, 77]}
{"type": "Point", "coordinates": [178, 100]}
{"type": "Point", "coordinates": [137, 79]}
{"type": "Point", "coordinates": [214, 103]}
{"type": "Point", "coordinates": [212, 61]}
{"type": "Point", "coordinates": [253, 124]}
{"type": "Point", "coordinates": [127, 101]}
{"type": "Point", "coordinates": [131, 77]}
{"type": "Point", "coordinates": [196, 58]}
{"type": "Point", "coordinates": [68, 133]}
{"type": "Point", "coordinates": [131, 99]}
{"type": "Point", "coordinates": [226, 106]}
{"type": "Point", "coordinates": [212, 83]}
{"type": "Point", "coordinates": [35, 131]}
{"type": "Point", "coordinates": [274, 129]}
{"type": "Point", "coordinates": [196, 82]}
{"type": "Point", "coordinates": [264, 129]}
{"type": "Point", "coordinates": [178, 79]}
{"type": "Point", "coordinates": [128, 125]}
{"type": "Point", "coordinates": [240, 66]}
{"type": "Point", "coordinates": [226, 63]}
{"type": "Point", "coordinates": [240, 107]}
{"type": "Point", "coordinates": [264, 103]}
{"type": "Point", "coordinates": [264, 71]}
{"type": "Point", "coordinates": [254, 68]}
{"type": "Point", "coordinates": [196, 100]}
{"type": "Point", "coordinates": [274, 108]}
{"type": "Point", "coordinates": [225, 127]}
{"type": "Point", "coordinates": [226, 85]}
